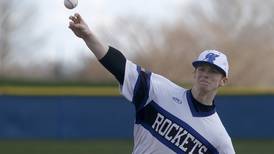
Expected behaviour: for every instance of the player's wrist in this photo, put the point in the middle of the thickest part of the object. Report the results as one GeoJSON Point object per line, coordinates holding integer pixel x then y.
{"type": "Point", "coordinates": [88, 37]}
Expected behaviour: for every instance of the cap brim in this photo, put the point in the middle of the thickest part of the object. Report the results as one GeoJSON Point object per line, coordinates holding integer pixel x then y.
{"type": "Point", "coordinates": [199, 63]}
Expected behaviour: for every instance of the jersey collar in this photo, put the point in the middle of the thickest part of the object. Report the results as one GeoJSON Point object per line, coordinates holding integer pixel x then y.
{"type": "Point", "coordinates": [197, 108]}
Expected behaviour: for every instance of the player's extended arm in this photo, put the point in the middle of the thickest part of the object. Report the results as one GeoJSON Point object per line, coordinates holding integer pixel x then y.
{"type": "Point", "coordinates": [112, 59]}
{"type": "Point", "coordinates": [81, 29]}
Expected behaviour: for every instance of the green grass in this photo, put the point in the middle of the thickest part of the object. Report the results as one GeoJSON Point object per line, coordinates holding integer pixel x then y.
{"type": "Point", "coordinates": [254, 146]}
{"type": "Point", "coordinates": [110, 147]}
{"type": "Point", "coordinates": [66, 147]}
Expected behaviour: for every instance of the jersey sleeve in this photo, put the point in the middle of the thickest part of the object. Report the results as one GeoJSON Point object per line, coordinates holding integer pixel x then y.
{"type": "Point", "coordinates": [134, 81]}
{"type": "Point", "coordinates": [227, 147]}
{"type": "Point", "coordinates": [136, 86]}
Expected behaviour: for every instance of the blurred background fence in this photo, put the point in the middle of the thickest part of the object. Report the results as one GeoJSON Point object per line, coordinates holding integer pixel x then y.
{"type": "Point", "coordinates": [112, 117]}
{"type": "Point", "coordinates": [77, 119]}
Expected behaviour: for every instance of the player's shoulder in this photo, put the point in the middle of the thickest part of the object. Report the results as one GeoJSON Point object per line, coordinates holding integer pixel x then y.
{"type": "Point", "coordinates": [163, 82]}
{"type": "Point", "coordinates": [130, 65]}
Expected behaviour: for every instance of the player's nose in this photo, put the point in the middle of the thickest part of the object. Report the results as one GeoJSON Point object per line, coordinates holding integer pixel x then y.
{"type": "Point", "coordinates": [205, 74]}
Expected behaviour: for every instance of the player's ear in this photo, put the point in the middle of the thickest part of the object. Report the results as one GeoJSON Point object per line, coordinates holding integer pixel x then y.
{"type": "Point", "coordinates": [194, 72]}
{"type": "Point", "coordinates": [223, 81]}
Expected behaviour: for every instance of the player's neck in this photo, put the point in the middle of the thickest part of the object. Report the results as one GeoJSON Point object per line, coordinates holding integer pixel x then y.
{"type": "Point", "coordinates": [206, 98]}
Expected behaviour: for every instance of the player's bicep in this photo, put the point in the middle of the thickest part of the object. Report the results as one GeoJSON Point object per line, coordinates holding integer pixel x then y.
{"type": "Point", "coordinates": [114, 61]}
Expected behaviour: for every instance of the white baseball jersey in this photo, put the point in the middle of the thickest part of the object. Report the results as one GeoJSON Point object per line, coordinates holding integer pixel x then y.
{"type": "Point", "coordinates": [166, 120]}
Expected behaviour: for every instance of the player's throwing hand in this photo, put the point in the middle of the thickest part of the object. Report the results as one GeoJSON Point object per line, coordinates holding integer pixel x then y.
{"type": "Point", "coordinates": [79, 27]}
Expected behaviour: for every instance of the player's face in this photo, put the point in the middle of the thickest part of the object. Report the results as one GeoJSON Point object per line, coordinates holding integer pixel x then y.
{"type": "Point", "coordinates": [208, 78]}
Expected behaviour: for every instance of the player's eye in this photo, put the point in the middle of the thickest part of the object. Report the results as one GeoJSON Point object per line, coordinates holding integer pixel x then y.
{"type": "Point", "coordinates": [201, 69]}
{"type": "Point", "coordinates": [213, 71]}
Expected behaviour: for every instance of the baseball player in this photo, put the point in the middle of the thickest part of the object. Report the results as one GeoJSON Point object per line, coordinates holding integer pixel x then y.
{"type": "Point", "coordinates": [169, 118]}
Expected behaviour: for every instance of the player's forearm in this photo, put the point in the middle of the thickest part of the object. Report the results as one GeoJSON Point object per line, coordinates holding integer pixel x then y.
{"type": "Point", "coordinates": [98, 48]}
{"type": "Point", "coordinates": [113, 60]}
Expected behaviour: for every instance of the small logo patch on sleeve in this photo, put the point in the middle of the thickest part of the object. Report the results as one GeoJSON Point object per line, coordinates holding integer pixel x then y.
{"type": "Point", "coordinates": [177, 100]}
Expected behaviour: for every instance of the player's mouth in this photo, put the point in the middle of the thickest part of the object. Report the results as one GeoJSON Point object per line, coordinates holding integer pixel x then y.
{"type": "Point", "coordinates": [204, 82]}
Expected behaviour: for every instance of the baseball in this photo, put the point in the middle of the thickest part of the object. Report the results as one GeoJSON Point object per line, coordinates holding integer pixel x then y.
{"type": "Point", "coordinates": [70, 4]}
